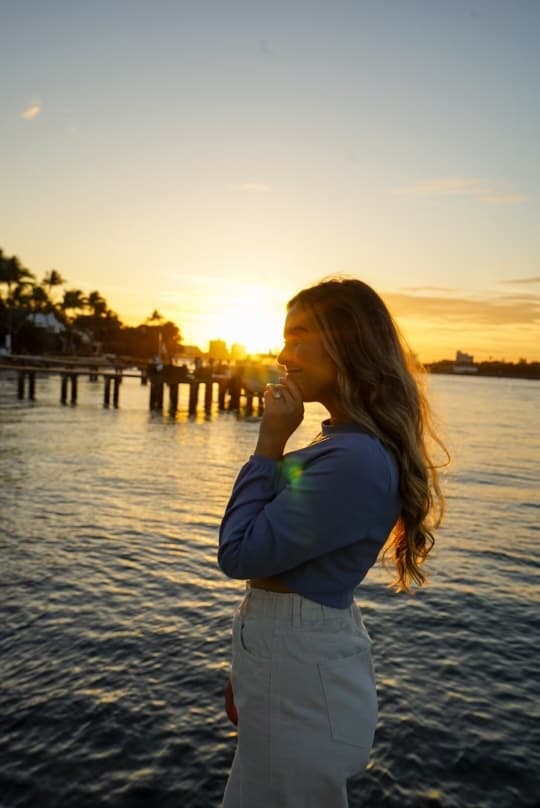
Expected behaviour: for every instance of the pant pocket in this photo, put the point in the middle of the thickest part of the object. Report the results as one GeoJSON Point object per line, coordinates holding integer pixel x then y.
{"type": "Point", "coordinates": [351, 698]}
{"type": "Point", "coordinates": [253, 638]}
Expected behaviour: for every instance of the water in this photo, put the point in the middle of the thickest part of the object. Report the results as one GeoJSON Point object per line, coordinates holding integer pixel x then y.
{"type": "Point", "coordinates": [115, 619]}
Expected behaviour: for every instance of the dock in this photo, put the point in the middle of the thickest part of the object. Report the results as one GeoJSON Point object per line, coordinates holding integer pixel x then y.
{"type": "Point", "coordinates": [235, 394]}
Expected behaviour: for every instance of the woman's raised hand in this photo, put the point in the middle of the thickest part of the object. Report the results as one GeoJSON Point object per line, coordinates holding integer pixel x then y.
{"type": "Point", "coordinates": [283, 413]}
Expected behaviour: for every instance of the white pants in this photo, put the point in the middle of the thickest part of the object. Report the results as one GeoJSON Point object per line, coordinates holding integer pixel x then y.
{"type": "Point", "coordinates": [305, 693]}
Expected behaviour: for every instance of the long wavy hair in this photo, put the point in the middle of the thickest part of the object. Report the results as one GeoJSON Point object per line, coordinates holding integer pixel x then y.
{"type": "Point", "coordinates": [380, 388]}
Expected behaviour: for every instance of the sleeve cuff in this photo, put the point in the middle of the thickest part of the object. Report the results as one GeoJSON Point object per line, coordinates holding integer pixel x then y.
{"type": "Point", "coordinates": [265, 463]}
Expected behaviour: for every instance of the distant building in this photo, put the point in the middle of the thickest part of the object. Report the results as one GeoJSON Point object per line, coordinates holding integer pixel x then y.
{"type": "Point", "coordinates": [189, 352]}
{"type": "Point", "coordinates": [464, 363]}
{"type": "Point", "coordinates": [217, 349]}
{"type": "Point", "coordinates": [238, 351]}
{"type": "Point", "coordinates": [47, 321]}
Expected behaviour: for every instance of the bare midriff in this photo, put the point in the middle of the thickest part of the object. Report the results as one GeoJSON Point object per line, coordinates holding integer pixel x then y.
{"type": "Point", "coordinates": [271, 584]}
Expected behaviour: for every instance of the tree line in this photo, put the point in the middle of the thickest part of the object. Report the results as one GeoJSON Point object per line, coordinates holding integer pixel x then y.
{"type": "Point", "coordinates": [493, 367]}
{"type": "Point", "coordinates": [45, 317]}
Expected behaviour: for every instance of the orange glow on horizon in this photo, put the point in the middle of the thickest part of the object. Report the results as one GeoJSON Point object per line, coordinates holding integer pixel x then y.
{"type": "Point", "coordinates": [257, 327]}
{"type": "Point", "coordinates": [252, 317]}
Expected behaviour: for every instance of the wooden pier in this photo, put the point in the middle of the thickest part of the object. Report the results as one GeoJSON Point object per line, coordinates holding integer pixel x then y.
{"type": "Point", "coordinates": [233, 395]}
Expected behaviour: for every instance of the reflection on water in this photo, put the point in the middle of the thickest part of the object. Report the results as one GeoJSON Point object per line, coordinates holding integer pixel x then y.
{"type": "Point", "coordinates": [115, 619]}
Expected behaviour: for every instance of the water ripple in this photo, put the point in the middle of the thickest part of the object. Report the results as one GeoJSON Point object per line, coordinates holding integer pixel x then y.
{"type": "Point", "coordinates": [115, 620]}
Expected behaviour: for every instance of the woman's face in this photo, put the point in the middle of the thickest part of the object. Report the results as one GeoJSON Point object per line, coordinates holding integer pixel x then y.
{"type": "Point", "coordinates": [308, 364]}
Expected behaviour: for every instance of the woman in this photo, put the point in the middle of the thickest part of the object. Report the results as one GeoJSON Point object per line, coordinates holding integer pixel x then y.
{"type": "Point", "coordinates": [303, 529]}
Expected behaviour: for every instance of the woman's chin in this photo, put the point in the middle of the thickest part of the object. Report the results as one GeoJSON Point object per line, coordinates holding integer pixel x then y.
{"type": "Point", "coordinates": [306, 396]}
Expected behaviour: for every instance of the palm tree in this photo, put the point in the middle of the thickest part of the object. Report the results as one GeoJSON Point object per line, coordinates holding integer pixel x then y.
{"type": "Point", "coordinates": [22, 295]}
{"type": "Point", "coordinates": [3, 259]}
{"type": "Point", "coordinates": [16, 278]}
{"type": "Point", "coordinates": [96, 322]}
{"type": "Point", "coordinates": [12, 273]}
{"type": "Point", "coordinates": [156, 317]}
{"type": "Point", "coordinates": [39, 298]}
{"type": "Point", "coordinates": [97, 304]}
{"type": "Point", "coordinates": [51, 279]}
{"type": "Point", "coordinates": [73, 300]}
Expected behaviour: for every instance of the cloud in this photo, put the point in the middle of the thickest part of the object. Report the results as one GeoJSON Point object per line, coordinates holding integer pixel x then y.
{"type": "Point", "coordinates": [524, 281]}
{"type": "Point", "coordinates": [460, 186]}
{"type": "Point", "coordinates": [31, 112]}
{"type": "Point", "coordinates": [496, 311]}
{"type": "Point", "coordinates": [252, 188]}
{"type": "Point", "coordinates": [428, 289]}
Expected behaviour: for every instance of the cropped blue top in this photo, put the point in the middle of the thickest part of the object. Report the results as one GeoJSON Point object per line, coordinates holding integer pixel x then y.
{"type": "Point", "coordinates": [317, 518]}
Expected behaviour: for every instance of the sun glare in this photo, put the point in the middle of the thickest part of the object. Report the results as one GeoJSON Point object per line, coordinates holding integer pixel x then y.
{"type": "Point", "coordinates": [252, 321]}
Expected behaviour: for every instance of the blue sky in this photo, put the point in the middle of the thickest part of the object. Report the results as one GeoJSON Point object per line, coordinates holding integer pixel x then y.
{"type": "Point", "coordinates": [210, 158]}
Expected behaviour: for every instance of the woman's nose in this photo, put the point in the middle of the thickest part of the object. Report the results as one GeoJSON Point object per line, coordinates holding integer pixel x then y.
{"type": "Point", "coordinates": [282, 356]}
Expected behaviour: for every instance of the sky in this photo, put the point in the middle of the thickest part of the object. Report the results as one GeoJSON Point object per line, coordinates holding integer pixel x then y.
{"type": "Point", "coordinates": [210, 158]}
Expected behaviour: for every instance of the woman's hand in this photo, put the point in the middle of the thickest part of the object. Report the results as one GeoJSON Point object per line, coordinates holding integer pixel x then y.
{"type": "Point", "coordinates": [283, 413]}
{"type": "Point", "coordinates": [230, 707]}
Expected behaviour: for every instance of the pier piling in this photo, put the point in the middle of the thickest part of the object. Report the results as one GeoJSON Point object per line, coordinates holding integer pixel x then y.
{"type": "Point", "coordinates": [20, 385]}
{"type": "Point", "coordinates": [193, 397]}
{"type": "Point", "coordinates": [74, 379]}
{"type": "Point", "coordinates": [156, 395]}
{"type": "Point", "coordinates": [173, 398]}
{"type": "Point", "coordinates": [234, 398]}
{"type": "Point", "coordinates": [222, 389]}
{"type": "Point", "coordinates": [208, 392]}
{"type": "Point", "coordinates": [232, 394]}
{"type": "Point", "coordinates": [107, 391]}
{"type": "Point", "coordinates": [63, 388]}
{"type": "Point", "coordinates": [116, 390]}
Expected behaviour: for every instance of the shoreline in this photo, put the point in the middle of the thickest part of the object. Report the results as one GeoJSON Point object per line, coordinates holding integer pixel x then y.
{"type": "Point", "coordinates": [502, 370]}
{"type": "Point", "coordinates": [108, 363]}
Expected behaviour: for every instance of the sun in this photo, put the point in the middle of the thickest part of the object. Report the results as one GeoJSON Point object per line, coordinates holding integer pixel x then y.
{"type": "Point", "coordinates": [247, 314]}
{"type": "Point", "coordinates": [253, 320]}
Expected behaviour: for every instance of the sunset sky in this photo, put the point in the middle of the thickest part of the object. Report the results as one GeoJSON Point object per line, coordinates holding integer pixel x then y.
{"type": "Point", "coordinates": [208, 159]}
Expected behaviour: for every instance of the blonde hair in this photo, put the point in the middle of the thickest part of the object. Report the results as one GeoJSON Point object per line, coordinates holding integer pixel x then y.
{"type": "Point", "coordinates": [379, 383]}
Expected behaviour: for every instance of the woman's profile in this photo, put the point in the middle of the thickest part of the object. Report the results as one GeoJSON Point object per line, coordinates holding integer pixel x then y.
{"type": "Point", "coordinates": [303, 529]}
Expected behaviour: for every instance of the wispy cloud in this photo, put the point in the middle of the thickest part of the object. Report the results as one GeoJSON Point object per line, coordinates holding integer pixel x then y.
{"type": "Point", "coordinates": [523, 281]}
{"type": "Point", "coordinates": [252, 188]}
{"type": "Point", "coordinates": [501, 310]}
{"type": "Point", "coordinates": [460, 186]}
{"type": "Point", "coordinates": [428, 289]}
{"type": "Point", "coordinates": [31, 112]}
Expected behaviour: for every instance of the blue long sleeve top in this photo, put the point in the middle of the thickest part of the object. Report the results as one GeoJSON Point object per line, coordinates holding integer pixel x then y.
{"type": "Point", "coordinates": [317, 518]}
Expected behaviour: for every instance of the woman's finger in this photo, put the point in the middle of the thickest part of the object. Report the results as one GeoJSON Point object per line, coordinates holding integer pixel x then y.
{"type": "Point", "coordinates": [276, 391]}
{"type": "Point", "coordinates": [293, 389]}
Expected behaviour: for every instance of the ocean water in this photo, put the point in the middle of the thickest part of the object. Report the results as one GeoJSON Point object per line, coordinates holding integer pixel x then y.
{"type": "Point", "coordinates": [115, 619]}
